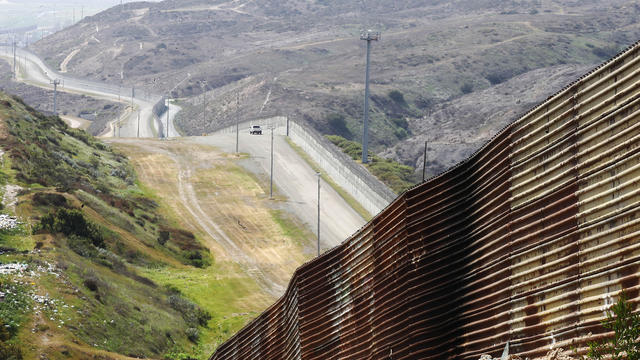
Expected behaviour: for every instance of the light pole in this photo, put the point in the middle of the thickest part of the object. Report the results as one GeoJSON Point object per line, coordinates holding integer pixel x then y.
{"type": "Point", "coordinates": [271, 182]}
{"type": "Point", "coordinates": [168, 107]}
{"type": "Point", "coordinates": [203, 84]}
{"type": "Point", "coordinates": [368, 36]}
{"type": "Point", "coordinates": [237, 120]}
{"type": "Point", "coordinates": [424, 162]}
{"type": "Point", "coordinates": [55, 83]}
{"type": "Point", "coordinates": [15, 74]}
{"type": "Point", "coordinates": [318, 175]}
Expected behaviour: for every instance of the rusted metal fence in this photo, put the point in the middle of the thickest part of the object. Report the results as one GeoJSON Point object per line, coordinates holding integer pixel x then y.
{"type": "Point", "coordinates": [527, 241]}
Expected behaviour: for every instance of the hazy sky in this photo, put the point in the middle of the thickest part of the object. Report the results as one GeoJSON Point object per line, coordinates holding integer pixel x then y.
{"type": "Point", "coordinates": [48, 13]}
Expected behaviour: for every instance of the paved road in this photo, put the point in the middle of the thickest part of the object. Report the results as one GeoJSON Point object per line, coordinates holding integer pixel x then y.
{"type": "Point", "coordinates": [295, 179]}
{"type": "Point", "coordinates": [34, 71]}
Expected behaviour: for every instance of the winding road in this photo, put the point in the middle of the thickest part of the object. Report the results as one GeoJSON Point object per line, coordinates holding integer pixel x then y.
{"type": "Point", "coordinates": [33, 71]}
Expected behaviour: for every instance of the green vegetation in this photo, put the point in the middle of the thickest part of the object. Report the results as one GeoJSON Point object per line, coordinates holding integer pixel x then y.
{"type": "Point", "coordinates": [14, 307]}
{"type": "Point", "coordinates": [217, 294]}
{"type": "Point", "coordinates": [96, 230]}
{"type": "Point", "coordinates": [397, 96]}
{"type": "Point", "coordinates": [625, 343]}
{"type": "Point", "coordinates": [73, 224]}
{"type": "Point", "coordinates": [338, 125]}
{"type": "Point", "coordinates": [397, 176]}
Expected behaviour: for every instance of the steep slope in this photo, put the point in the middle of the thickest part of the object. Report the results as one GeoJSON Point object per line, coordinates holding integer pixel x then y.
{"type": "Point", "coordinates": [304, 59]}
{"type": "Point", "coordinates": [83, 233]}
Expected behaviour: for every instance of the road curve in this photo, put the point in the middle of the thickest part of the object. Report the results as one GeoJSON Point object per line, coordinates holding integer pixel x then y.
{"type": "Point", "coordinates": [34, 71]}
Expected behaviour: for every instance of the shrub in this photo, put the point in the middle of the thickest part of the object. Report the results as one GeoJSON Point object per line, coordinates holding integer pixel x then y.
{"type": "Point", "coordinates": [192, 334]}
{"type": "Point", "coordinates": [10, 352]}
{"type": "Point", "coordinates": [49, 199]}
{"type": "Point", "coordinates": [397, 96]}
{"type": "Point", "coordinates": [401, 122]}
{"type": "Point", "coordinates": [624, 344]}
{"type": "Point", "coordinates": [192, 314]}
{"type": "Point", "coordinates": [163, 237]}
{"type": "Point", "coordinates": [91, 283]}
{"type": "Point", "coordinates": [605, 52]}
{"type": "Point", "coordinates": [71, 222]}
{"type": "Point", "coordinates": [466, 88]}
{"type": "Point", "coordinates": [338, 124]}
{"type": "Point", "coordinates": [82, 246]}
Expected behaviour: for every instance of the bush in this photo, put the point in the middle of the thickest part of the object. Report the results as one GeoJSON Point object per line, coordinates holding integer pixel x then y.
{"type": "Point", "coordinates": [605, 52]}
{"type": "Point", "coordinates": [91, 283]}
{"type": "Point", "coordinates": [400, 133]}
{"type": "Point", "coordinates": [192, 314]}
{"type": "Point", "coordinates": [401, 122]}
{"type": "Point", "coordinates": [338, 125]}
{"type": "Point", "coordinates": [71, 222]}
{"type": "Point", "coordinates": [82, 246]}
{"type": "Point", "coordinates": [163, 237]}
{"type": "Point", "coordinates": [466, 88]}
{"type": "Point", "coordinates": [625, 343]}
{"type": "Point", "coordinates": [10, 352]}
{"type": "Point", "coordinates": [49, 199]}
{"type": "Point", "coordinates": [397, 96]}
{"type": "Point", "coordinates": [192, 334]}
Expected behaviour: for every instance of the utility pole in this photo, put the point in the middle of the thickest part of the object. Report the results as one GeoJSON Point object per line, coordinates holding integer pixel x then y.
{"type": "Point", "coordinates": [237, 119]}
{"type": "Point", "coordinates": [133, 91]}
{"type": "Point", "coordinates": [424, 162]}
{"type": "Point", "coordinates": [271, 182]}
{"type": "Point", "coordinates": [15, 74]}
{"type": "Point", "coordinates": [368, 36]}
{"type": "Point", "coordinates": [55, 83]}
{"type": "Point", "coordinates": [168, 104]}
{"type": "Point", "coordinates": [318, 175]}
{"type": "Point", "coordinates": [203, 84]}
{"type": "Point", "coordinates": [138, 122]}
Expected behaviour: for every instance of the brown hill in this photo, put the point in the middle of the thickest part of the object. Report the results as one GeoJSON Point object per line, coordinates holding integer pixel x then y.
{"type": "Point", "coordinates": [304, 59]}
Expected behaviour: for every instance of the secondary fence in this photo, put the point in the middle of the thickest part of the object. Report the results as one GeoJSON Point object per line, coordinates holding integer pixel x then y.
{"type": "Point", "coordinates": [89, 86]}
{"type": "Point", "coordinates": [370, 192]}
{"type": "Point", "coordinates": [529, 241]}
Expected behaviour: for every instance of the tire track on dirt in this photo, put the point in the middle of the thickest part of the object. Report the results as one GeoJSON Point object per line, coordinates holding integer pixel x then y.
{"type": "Point", "coordinates": [189, 200]}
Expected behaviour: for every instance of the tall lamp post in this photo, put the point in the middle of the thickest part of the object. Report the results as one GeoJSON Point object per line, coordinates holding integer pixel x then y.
{"type": "Point", "coordinates": [368, 36]}
{"type": "Point", "coordinates": [271, 182]}
{"type": "Point", "coordinates": [203, 84]}
{"type": "Point", "coordinates": [318, 175]}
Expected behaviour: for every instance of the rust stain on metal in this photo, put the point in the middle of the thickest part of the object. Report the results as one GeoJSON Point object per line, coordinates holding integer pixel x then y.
{"type": "Point", "coordinates": [527, 241]}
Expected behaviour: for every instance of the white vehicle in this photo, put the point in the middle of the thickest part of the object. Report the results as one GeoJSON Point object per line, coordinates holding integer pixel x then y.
{"type": "Point", "coordinates": [255, 130]}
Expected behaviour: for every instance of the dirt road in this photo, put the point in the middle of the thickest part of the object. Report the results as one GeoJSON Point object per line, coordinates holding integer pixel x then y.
{"type": "Point", "coordinates": [228, 209]}
{"type": "Point", "coordinates": [296, 180]}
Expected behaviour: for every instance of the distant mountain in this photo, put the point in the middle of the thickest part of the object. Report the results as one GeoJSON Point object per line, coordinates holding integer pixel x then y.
{"type": "Point", "coordinates": [304, 59]}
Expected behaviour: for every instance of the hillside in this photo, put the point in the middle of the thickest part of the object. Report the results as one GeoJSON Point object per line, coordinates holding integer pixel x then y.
{"type": "Point", "coordinates": [97, 112]}
{"type": "Point", "coordinates": [90, 253]}
{"type": "Point", "coordinates": [304, 59]}
{"type": "Point", "coordinates": [70, 285]}
{"type": "Point", "coordinates": [527, 245]}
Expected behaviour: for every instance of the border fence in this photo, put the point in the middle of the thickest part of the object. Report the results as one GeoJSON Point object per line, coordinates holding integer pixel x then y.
{"type": "Point", "coordinates": [528, 241]}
